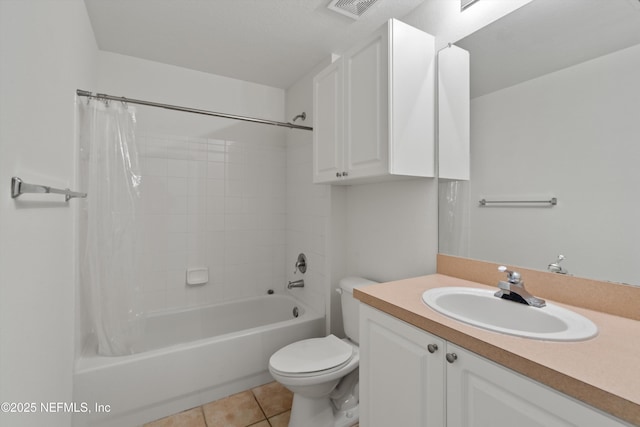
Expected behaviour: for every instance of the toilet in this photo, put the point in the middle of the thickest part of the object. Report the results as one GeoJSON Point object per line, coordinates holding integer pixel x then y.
{"type": "Point", "coordinates": [322, 373]}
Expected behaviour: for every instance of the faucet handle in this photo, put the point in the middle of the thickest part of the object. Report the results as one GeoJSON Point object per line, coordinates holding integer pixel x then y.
{"type": "Point", "coordinates": [301, 264]}
{"type": "Point", "coordinates": [513, 276]}
{"type": "Point", "coordinates": [555, 267]}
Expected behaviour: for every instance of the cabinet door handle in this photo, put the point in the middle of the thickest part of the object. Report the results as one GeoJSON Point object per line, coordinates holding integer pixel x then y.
{"type": "Point", "coordinates": [452, 357]}
{"type": "Point", "coordinates": [338, 174]}
{"type": "Point", "coordinates": [432, 348]}
{"type": "Point", "coordinates": [345, 173]}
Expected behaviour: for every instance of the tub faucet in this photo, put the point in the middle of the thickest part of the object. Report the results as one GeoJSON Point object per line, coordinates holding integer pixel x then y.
{"type": "Point", "coordinates": [513, 289]}
{"type": "Point", "coordinates": [296, 284]}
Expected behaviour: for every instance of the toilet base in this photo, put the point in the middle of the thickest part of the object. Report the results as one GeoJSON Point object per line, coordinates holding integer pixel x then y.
{"type": "Point", "coordinates": [346, 418]}
{"type": "Point", "coordinates": [311, 412]}
{"type": "Point", "coordinates": [318, 412]}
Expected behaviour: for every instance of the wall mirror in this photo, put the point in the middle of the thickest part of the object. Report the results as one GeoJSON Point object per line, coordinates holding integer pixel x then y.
{"type": "Point", "coordinates": [555, 112]}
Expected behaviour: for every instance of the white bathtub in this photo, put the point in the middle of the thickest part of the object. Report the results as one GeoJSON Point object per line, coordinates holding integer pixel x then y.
{"type": "Point", "coordinates": [191, 357]}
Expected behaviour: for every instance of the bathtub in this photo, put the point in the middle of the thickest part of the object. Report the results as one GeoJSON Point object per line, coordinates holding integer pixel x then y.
{"type": "Point", "coordinates": [190, 357]}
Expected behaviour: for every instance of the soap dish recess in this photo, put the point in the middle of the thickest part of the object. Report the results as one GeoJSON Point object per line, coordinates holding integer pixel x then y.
{"type": "Point", "coordinates": [197, 276]}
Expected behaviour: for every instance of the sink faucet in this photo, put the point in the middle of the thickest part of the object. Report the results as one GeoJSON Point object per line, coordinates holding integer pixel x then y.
{"type": "Point", "coordinates": [296, 284]}
{"type": "Point", "coordinates": [513, 289]}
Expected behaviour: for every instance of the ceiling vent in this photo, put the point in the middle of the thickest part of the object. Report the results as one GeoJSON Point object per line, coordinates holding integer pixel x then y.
{"type": "Point", "coordinates": [351, 8]}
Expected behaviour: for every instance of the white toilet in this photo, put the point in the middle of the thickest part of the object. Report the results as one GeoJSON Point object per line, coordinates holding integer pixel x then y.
{"type": "Point", "coordinates": [322, 373]}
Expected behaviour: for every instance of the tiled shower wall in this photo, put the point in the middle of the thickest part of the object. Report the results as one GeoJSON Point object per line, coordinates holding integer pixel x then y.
{"type": "Point", "coordinates": [210, 204]}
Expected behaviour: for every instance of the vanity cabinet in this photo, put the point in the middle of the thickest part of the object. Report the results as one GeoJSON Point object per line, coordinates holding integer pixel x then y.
{"type": "Point", "coordinates": [374, 109]}
{"type": "Point", "coordinates": [402, 373]}
{"type": "Point", "coordinates": [403, 383]}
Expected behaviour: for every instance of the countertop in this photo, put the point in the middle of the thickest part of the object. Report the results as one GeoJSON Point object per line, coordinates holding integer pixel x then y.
{"type": "Point", "coordinates": [603, 372]}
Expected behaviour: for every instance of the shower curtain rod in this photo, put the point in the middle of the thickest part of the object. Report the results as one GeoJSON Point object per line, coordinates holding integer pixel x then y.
{"type": "Point", "coordinates": [88, 94]}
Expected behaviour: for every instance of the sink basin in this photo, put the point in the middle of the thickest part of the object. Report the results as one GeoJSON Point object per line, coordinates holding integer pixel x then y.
{"type": "Point", "coordinates": [479, 307]}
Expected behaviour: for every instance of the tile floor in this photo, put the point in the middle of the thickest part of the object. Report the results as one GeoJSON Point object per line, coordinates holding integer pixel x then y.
{"type": "Point", "coordinates": [266, 406]}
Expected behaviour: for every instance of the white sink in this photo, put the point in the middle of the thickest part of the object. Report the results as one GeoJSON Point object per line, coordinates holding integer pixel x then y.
{"type": "Point", "coordinates": [479, 307]}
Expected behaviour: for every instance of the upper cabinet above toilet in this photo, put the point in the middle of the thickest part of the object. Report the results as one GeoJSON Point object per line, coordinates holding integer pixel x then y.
{"type": "Point", "coordinates": [374, 109]}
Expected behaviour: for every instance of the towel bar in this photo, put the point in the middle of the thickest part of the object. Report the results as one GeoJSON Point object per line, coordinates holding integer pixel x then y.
{"type": "Point", "coordinates": [19, 187]}
{"type": "Point", "coordinates": [553, 201]}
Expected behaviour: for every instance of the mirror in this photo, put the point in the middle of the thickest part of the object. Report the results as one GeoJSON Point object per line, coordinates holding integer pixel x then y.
{"type": "Point", "coordinates": [555, 112]}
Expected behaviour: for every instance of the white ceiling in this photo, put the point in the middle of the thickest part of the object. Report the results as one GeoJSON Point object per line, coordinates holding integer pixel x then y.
{"type": "Point", "coordinates": [271, 42]}
{"type": "Point", "coordinates": [548, 35]}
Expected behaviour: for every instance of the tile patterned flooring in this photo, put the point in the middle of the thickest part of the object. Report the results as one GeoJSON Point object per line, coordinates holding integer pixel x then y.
{"type": "Point", "coordinates": [266, 406]}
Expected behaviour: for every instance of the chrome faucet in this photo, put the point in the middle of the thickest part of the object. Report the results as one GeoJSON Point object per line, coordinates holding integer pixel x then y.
{"type": "Point", "coordinates": [301, 264]}
{"type": "Point", "coordinates": [555, 267]}
{"type": "Point", "coordinates": [296, 284]}
{"type": "Point", "coordinates": [513, 289]}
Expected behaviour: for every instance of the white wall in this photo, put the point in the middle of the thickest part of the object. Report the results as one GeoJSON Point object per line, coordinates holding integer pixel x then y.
{"type": "Point", "coordinates": [307, 204]}
{"type": "Point", "coordinates": [572, 134]}
{"type": "Point", "coordinates": [392, 229]}
{"type": "Point", "coordinates": [47, 51]}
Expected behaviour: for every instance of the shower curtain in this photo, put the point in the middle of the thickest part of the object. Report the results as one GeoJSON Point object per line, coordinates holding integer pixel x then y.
{"type": "Point", "coordinates": [453, 217]}
{"type": "Point", "coordinates": [110, 168]}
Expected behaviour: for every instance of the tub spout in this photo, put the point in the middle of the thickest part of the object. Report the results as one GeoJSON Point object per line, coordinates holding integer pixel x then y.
{"type": "Point", "coordinates": [296, 284]}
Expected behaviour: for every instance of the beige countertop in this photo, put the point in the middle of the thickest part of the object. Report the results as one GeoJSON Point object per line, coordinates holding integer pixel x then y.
{"type": "Point", "coordinates": [603, 372]}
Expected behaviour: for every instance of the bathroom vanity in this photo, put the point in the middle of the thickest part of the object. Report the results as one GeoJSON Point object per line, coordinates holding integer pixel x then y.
{"type": "Point", "coordinates": [421, 368]}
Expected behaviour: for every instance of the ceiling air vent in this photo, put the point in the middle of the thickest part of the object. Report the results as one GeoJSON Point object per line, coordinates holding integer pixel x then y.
{"type": "Point", "coordinates": [351, 8]}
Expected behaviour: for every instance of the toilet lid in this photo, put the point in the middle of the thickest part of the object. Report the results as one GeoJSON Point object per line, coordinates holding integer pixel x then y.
{"type": "Point", "coordinates": [312, 355]}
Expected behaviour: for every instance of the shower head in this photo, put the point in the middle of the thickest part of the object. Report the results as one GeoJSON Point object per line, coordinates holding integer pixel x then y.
{"type": "Point", "coordinates": [302, 116]}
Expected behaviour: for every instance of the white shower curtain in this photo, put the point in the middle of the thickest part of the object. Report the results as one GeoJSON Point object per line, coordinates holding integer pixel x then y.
{"type": "Point", "coordinates": [109, 154]}
{"type": "Point", "coordinates": [453, 217]}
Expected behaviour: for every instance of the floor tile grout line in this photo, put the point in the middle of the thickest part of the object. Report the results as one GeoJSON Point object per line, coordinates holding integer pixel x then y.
{"type": "Point", "coordinates": [260, 406]}
{"type": "Point", "coordinates": [201, 407]}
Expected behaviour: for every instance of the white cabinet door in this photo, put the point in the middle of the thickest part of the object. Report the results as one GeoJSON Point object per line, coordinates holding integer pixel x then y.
{"type": "Point", "coordinates": [366, 108]}
{"type": "Point", "coordinates": [374, 109]}
{"type": "Point", "coordinates": [454, 111]}
{"type": "Point", "coordinates": [481, 393]}
{"type": "Point", "coordinates": [328, 124]}
{"type": "Point", "coordinates": [411, 101]}
{"type": "Point", "coordinates": [401, 381]}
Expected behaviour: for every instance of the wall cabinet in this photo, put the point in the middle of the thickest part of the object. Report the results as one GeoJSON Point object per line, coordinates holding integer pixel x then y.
{"type": "Point", "coordinates": [411, 378]}
{"type": "Point", "coordinates": [454, 109]}
{"type": "Point", "coordinates": [374, 109]}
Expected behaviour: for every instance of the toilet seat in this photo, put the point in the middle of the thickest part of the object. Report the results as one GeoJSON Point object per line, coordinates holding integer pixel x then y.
{"type": "Point", "coordinates": [310, 357]}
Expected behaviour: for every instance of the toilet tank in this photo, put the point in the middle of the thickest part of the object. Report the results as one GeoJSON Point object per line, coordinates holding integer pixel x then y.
{"type": "Point", "coordinates": [350, 306]}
